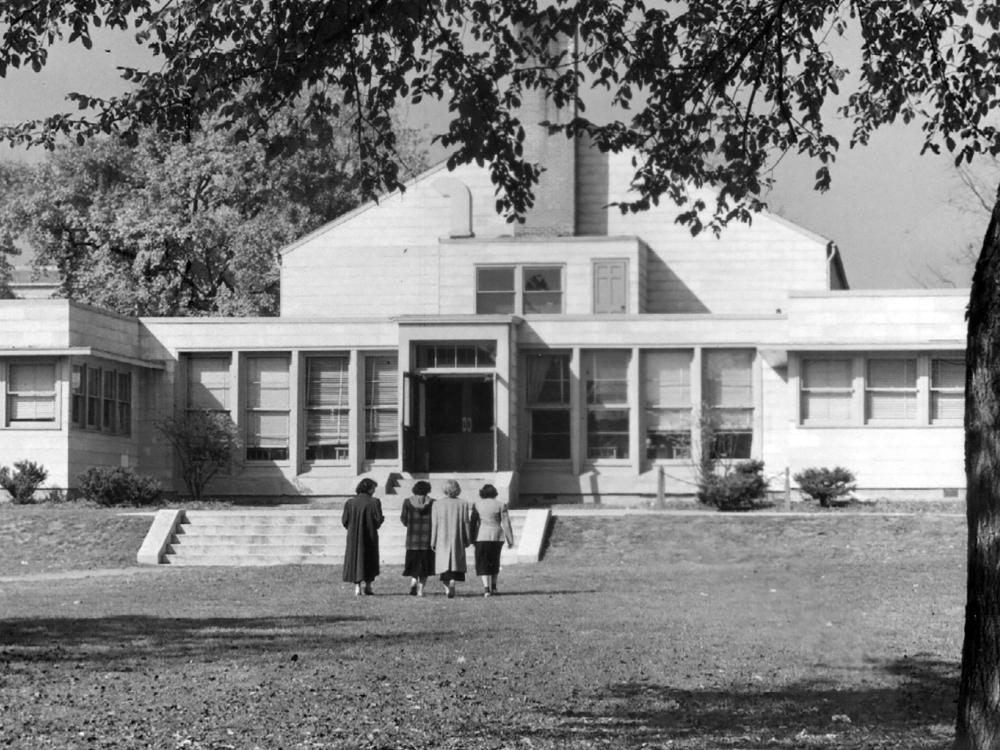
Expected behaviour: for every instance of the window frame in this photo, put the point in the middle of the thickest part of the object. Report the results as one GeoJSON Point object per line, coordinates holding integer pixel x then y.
{"type": "Point", "coordinates": [547, 407]}
{"type": "Point", "coordinates": [741, 437]}
{"type": "Point", "coordinates": [911, 389]}
{"type": "Point", "coordinates": [252, 413]}
{"type": "Point", "coordinates": [805, 391]}
{"type": "Point", "coordinates": [110, 404]}
{"type": "Point", "coordinates": [659, 407]}
{"type": "Point", "coordinates": [342, 452]}
{"type": "Point", "coordinates": [55, 423]}
{"type": "Point", "coordinates": [595, 408]}
{"type": "Point", "coordinates": [377, 410]}
{"type": "Point", "coordinates": [860, 411]}
{"type": "Point", "coordinates": [519, 293]}
{"type": "Point", "coordinates": [938, 390]}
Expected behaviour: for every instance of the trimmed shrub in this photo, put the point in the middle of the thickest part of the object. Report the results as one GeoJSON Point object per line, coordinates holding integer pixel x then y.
{"type": "Point", "coordinates": [205, 443]}
{"type": "Point", "coordinates": [22, 483]}
{"type": "Point", "coordinates": [742, 488]}
{"type": "Point", "coordinates": [116, 485]}
{"type": "Point", "coordinates": [825, 485]}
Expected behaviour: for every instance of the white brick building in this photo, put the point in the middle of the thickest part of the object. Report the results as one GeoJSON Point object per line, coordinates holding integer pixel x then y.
{"type": "Point", "coordinates": [566, 360]}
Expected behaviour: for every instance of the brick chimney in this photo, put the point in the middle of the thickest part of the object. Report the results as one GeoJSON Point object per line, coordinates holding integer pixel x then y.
{"type": "Point", "coordinates": [554, 212]}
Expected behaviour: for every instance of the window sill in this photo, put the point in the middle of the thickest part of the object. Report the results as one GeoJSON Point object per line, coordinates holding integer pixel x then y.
{"type": "Point", "coordinates": [45, 426]}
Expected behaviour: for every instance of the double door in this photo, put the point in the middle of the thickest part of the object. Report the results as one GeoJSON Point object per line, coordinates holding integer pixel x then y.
{"type": "Point", "coordinates": [452, 425]}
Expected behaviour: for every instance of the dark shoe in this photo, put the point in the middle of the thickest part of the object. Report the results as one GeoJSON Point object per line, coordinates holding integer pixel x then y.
{"type": "Point", "coordinates": [413, 589]}
{"type": "Point", "coordinates": [451, 591]}
{"type": "Point", "coordinates": [368, 591]}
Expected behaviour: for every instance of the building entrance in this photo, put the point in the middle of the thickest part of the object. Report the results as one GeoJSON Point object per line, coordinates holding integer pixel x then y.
{"type": "Point", "coordinates": [453, 424]}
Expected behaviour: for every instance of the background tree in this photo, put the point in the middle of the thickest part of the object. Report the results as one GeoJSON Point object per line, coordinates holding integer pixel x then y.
{"type": "Point", "coordinates": [715, 92]}
{"type": "Point", "coordinates": [177, 227]}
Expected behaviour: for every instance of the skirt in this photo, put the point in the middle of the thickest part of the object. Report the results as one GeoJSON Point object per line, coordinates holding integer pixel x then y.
{"type": "Point", "coordinates": [488, 558]}
{"type": "Point", "coordinates": [419, 563]}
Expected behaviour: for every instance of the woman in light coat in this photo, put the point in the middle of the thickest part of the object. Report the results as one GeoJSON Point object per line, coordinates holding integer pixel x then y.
{"type": "Point", "coordinates": [450, 535]}
{"type": "Point", "coordinates": [362, 517]}
{"type": "Point", "coordinates": [491, 522]}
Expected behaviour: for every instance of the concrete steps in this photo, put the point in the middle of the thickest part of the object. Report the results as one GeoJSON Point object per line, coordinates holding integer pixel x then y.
{"type": "Point", "coordinates": [295, 537]}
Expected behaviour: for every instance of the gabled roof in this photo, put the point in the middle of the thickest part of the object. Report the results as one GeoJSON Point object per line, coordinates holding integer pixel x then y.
{"type": "Point", "coordinates": [442, 165]}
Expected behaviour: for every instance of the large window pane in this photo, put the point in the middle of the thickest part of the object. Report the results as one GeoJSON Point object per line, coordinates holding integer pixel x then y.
{"type": "Point", "coordinates": [495, 291]}
{"type": "Point", "coordinates": [543, 290]}
{"type": "Point", "coordinates": [728, 393]}
{"type": "Point", "coordinates": [605, 375]}
{"type": "Point", "coordinates": [327, 408]}
{"type": "Point", "coordinates": [208, 383]}
{"type": "Point", "coordinates": [31, 392]}
{"type": "Point", "coordinates": [666, 389]}
{"type": "Point", "coordinates": [267, 417]}
{"type": "Point", "coordinates": [891, 390]}
{"type": "Point", "coordinates": [381, 407]}
{"type": "Point", "coordinates": [947, 390]}
{"type": "Point", "coordinates": [826, 391]}
{"type": "Point", "coordinates": [548, 398]}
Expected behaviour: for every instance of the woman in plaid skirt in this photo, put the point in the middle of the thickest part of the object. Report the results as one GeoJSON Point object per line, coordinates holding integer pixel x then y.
{"type": "Point", "coordinates": [416, 517]}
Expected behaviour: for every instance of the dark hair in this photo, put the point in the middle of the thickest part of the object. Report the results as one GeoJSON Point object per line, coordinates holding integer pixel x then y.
{"type": "Point", "coordinates": [421, 488]}
{"type": "Point", "coordinates": [366, 487]}
{"type": "Point", "coordinates": [487, 490]}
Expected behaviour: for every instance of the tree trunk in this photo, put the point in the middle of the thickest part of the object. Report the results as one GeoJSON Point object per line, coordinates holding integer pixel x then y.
{"type": "Point", "coordinates": [978, 721]}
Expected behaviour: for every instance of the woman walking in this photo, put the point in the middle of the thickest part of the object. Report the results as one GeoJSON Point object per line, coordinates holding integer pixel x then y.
{"type": "Point", "coordinates": [491, 521]}
{"type": "Point", "coordinates": [362, 517]}
{"type": "Point", "coordinates": [416, 517]}
{"type": "Point", "coordinates": [450, 535]}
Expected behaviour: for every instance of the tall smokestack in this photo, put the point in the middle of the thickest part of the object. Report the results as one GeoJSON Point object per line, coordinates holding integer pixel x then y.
{"type": "Point", "coordinates": [554, 211]}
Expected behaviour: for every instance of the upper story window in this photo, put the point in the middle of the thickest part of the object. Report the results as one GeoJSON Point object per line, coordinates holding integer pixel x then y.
{"type": "Point", "coordinates": [31, 392]}
{"type": "Point", "coordinates": [101, 399]}
{"type": "Point", "coordinates": [519, 289]}
{"type": "Point", "coordinates": [728, 394]}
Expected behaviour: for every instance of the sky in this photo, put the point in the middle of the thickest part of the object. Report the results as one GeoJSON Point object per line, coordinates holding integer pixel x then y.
{"type": "Point", "coordinates": [896, 216]}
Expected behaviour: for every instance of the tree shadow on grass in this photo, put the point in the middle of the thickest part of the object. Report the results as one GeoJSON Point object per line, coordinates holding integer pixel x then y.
{"type": "Point", "coordinates": [916, 711]}
{"type": "Point", "coordinates": [110, 639]}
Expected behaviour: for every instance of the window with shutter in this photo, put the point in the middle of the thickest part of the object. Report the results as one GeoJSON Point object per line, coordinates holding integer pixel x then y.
{"type": "Point", "coordinates": [605, 375]}
{"type": "Point", "coordinates": [327, 408]}
{"type": "Point", "coordinates": [31, 392]}
{"type": "Point", "coordinates": [947, 390]}
{"type": "Point", "coordinates": [891, 390]}
{"type": "Point", "coordinates": [826, 391]}
{"type": "Point", "coordinates": [267, 408]}
{"type": "Point", "coordinates": [728, 394]}
{"type": "Point", "coordinates": [666, 395]}
{"type": "Point", "coordinates": [381, 407]}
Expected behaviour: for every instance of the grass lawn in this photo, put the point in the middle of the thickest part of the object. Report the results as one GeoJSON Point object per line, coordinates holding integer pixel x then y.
{"type": "Point", "coordinates": [659, 631]}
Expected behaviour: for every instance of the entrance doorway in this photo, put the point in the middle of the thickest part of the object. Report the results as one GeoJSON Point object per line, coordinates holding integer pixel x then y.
{"type": "Point", "coordinates": [454, 418]}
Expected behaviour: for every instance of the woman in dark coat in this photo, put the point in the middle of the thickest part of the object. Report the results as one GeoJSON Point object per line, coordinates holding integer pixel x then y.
{"type": "Point", "coordinates": [362, 516]}
{"type": "Point", "coordinates": [416, 517]}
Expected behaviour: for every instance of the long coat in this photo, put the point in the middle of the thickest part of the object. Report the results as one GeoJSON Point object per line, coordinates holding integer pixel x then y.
{"type": "Point", "coordinates": [362, 516]}
{"type": "Point", "coordinates": [450, 534]}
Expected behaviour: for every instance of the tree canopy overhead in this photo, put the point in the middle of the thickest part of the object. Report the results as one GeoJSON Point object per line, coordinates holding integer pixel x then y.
{"type": "Point", "coordinates": [707, 91]}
